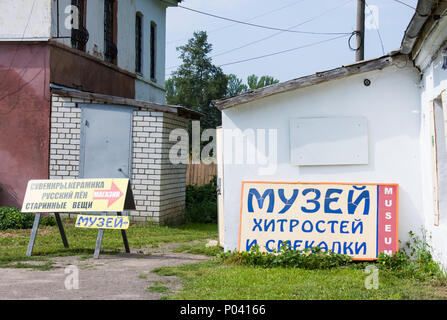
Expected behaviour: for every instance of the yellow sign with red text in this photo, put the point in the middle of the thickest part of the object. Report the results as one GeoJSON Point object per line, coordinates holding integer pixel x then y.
{"type": "Point", "coordinates": [86, 195]}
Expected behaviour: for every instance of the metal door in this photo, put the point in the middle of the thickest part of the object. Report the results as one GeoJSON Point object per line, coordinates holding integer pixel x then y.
{"type": "Point", "coordinates": [106, 134]}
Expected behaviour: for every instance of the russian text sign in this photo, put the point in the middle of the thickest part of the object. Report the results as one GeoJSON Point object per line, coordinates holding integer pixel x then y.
{"type": "Point", "coordinates": [90, 195]}
{"type": "Point", "coordinates": [360, 220]}
{"type": "Point", "coordinates": [102, 222]}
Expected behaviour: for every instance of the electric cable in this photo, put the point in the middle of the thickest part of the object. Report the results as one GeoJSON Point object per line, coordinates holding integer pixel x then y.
{"type": "Point", "coordinates": [251, 19]}
{"type": "Point", "coordinates": [284, 51]}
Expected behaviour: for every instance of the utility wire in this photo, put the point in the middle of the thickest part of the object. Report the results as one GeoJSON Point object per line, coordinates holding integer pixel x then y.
{"type": "Point", "coordinates": [251, 19]}
{"type": "Point", "coordinates": [265, 27]}
{"type": "Point", "coordinates": [277, 33]}
{"type": "Point", "coordinates": [405, 4]}
{"type": "Point", "coordinates": [377, 28]}
{"type": "Point", "coordinates": [284, 51]}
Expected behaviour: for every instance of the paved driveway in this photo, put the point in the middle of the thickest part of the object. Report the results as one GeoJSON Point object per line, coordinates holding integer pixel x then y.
{"type": "Point", "coordinates": [120, 276]}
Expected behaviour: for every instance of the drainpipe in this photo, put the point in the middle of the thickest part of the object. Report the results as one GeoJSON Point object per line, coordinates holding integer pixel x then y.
{"type": "Point", "coordinates": [423, 11]}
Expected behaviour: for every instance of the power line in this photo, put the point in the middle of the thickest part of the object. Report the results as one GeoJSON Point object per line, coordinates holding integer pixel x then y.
{"type": "Point", "coordinates": [405, 4]}
{"type": "Point", "coordinates": [284, 51]}
{"type": "Point", "coordinates": [277, 33]}
{"type": "Point", "coordinates": [251, 19]}
{"type": "Point", "coordinates": [265, 27]}
{"type": "Point", "coordinates": [377, 28]}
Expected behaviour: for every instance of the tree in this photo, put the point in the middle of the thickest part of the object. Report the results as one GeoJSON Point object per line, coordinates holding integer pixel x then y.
{"type": "Point", "coordinates": [255, 83]}
{"type": "Point", "coordinates": [236, 85]}
{"type": "Point", "coordinates": [197, 82]}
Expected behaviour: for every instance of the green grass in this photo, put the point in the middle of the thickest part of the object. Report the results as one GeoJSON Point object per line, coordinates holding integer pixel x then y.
{"type": "Point", "coordinates": [13, 243]}
{"type": "Point", "coordinates": [158, 289]}
{"type": "Point", "coordinates": [199, 248]}
{"type": "Point", "coordinates": [214, 280]}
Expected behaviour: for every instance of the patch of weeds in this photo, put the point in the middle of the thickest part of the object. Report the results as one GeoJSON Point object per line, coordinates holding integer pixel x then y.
{"type": "Point", "coordinates": [164, 271]}
{"type": "Point", "coordinates": [309, 258]}
{"type": "Point", "coordinates": [199, 248]}
{"type": "Point", "coordinates": [414, 261]}
{"type": "Point", "coordinates": [142, 276]}
{"type": "Point", "coordinates": [158, 289]}
{"type": "Point", "coordinates": [23, 265]}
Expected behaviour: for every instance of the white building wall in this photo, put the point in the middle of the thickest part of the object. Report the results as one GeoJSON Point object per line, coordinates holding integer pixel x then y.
{"type": "Point", "coordinates": [146, 89]}
{"type": "Point", "coordinates": [434, 81]}
{"type": "Point", "coordinates": [25, 20]}
{"type": "Point", "coordinates": [390, 105]}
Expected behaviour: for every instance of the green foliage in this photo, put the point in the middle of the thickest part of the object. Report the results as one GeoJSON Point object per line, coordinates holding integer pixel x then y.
{"type": "Point", "coordinates": [48, 221]}
{"type": "Point", "coordinates": [309, 258]}
{"type": "Point", "coordinates": [254, 82]}
{"type": "Point", "coordinates": [236, 86]}
{"type": "Point", "coordinates": [12, 218]}
{"type": "Point", "coordinates": [197, 82]}
{"type": "Point", "coordinates": [415, 260]}
{"type": "Point", "coordinates": [201, 203]}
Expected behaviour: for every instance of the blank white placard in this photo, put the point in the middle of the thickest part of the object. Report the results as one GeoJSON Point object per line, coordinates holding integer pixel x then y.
{"type": "Point", "coordinates": [328, 141]}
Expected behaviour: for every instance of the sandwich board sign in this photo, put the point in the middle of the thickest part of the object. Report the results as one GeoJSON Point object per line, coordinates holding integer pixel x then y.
{"type": "Point", "coordinates": [359, 220]}
{"type": "Point", "coordinates": [81, 196]}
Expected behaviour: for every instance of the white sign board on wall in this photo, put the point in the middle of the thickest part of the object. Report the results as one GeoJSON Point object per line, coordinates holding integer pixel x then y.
{"type": "Point", "coordinates": [328, 141]}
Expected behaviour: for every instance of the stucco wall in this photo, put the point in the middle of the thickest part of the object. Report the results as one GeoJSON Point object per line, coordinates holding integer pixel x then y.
{"type": "Point", "coordinates": [433, 82]}
{"type": "Point", "coordinates": [24, 118]}
{"type": "Point", "coordinates": [146, 89]}
{"type": "Point", "coordinates": [390, 105]}
{"type": "Point", "coordinates": [21, 20]}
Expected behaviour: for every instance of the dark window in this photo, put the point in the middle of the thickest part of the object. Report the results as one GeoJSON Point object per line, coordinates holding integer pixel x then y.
{"type": "Point", "coordinates": [79, 34]}
{"type": "Point", "coordinates": [138, 42]}
{"type": "Point", "coordinates": [110, 50]}
{"type": "Point", "coordinates": [153, 49]}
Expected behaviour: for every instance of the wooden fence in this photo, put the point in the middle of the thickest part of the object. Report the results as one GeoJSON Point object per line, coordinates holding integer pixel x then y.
{"type": "Point", "coordinates": [200, 174]}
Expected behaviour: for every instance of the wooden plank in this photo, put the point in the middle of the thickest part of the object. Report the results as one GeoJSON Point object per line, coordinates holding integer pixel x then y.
{"type": "Point", "coordinates": [434, 163]}
{"type": "Point", "coordinates": [200, 174]}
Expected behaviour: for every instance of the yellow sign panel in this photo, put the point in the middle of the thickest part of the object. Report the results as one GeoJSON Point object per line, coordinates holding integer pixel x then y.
{"type": "Point", "coordinates": [78, 195]}
{"type": "Point", "coordinates": [102, 222]}
{"type": "Point", "coordinates": [359, 220]}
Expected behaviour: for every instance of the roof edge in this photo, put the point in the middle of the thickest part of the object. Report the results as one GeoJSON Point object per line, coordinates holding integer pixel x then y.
{"type": "Point", "coordinates": [73, 93]}
{"type": "Point", "coordinates": [417, 22]}
{"type": "Point", "coordinates": [310, 80]}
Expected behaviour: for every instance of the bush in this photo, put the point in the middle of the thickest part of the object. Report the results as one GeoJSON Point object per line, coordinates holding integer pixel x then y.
{"type": "Point", "coordinates": [48, 221]}
{"type": "Point", "coordinates": [12, 218]}
{"type": "Point", "coordinates": [201, 203]}
{"type": "Point", "coordinates": [310, 258]}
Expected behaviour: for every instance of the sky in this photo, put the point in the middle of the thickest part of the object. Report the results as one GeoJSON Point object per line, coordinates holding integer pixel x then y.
{"type": "Point", "coordinates": [306, 53]}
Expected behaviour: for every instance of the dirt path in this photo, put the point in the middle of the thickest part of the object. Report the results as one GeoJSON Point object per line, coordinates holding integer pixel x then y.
{"type": "Point", "coordinates": [120, 276]}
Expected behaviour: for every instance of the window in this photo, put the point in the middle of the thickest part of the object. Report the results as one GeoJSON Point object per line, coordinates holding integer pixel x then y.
{"type": "Point", "coordinates": [110, 49]}
{"type": "Point", "coordinates": [153, 49]}
{"type": "Point", "coordinates": [138, 43]}
{"type": "Point", "coordinates": [79, 34]}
